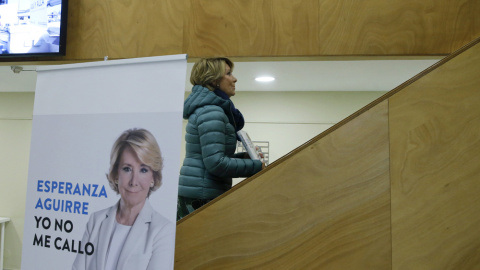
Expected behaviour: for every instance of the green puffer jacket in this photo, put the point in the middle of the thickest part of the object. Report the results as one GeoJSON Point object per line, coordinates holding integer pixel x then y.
{"type": "Point", "coordinates": [210, 161]}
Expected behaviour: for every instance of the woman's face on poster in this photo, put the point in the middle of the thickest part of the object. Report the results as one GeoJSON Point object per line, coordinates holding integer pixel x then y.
{"type": "Point", "coordinates": [134, 178]}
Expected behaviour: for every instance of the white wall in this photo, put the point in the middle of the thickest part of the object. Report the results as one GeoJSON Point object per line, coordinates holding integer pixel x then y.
{"type": "Point", "coordinates": [16, 111]}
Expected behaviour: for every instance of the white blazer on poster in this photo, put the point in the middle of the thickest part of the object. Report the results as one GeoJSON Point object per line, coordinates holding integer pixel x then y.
{"type": "Point", "coordinates": [149, 245]}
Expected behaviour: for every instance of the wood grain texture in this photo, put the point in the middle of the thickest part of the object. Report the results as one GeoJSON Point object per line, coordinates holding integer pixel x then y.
{"type": "Point", "coordinates": [378, 27]}
{"type": "Point", "coordinates": [124, 28]}
{"type": "Point", "coordinates": [326, 207]}
{"type": "Point", "coordinates": [251, 28]}
{"type": "Point", "coordinates": [329, 27]}
{"type": "Point", "coordinates": [268, 28]}
{"type": "Point", "coordinates": [435, 172]}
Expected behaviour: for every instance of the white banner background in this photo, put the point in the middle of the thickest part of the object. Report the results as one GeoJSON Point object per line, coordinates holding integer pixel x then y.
{"type": "Point", "coordinates": [79, 111]}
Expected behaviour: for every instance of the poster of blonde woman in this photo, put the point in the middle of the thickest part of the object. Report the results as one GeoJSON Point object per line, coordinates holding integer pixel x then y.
{"type": "Point", "coordinates": [130, 234]}
{"type": "Point", "coordinates": [104, 160]}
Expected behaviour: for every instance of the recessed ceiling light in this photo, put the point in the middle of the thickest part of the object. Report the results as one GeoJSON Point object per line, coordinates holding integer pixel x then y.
{"type": "Point", "coordinates": [264, 79]}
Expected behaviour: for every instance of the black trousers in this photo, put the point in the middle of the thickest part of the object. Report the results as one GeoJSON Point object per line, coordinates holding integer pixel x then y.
{"type": "Point", "coordinates": [186, 206]}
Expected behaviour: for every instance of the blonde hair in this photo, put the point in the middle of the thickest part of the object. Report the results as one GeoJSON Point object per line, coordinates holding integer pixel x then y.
{"type": "Point", "coordinates": [143, 143]}
{"type": "Point", "coordinates": [208, 71]}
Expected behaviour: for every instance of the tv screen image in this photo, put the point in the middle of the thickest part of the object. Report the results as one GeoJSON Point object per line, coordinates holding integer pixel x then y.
{"type": "Point", "coordinates": [32, 27]}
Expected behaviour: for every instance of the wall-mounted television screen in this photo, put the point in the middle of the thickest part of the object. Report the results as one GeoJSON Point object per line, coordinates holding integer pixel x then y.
{"type": "Point", "coordinates": [33, 27]}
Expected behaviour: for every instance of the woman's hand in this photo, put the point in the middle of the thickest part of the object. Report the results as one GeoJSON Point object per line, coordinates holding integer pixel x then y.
{"type": "Point", "coordinates": [262, 156]}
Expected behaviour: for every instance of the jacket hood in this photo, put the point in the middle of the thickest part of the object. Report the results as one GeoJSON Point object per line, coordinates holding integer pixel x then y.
{"type": "Point", "coordinates": [200, 97]}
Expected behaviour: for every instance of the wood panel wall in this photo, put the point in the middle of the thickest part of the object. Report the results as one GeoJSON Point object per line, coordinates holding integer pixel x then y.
{"type": "Point", "coordinates": [393, 186]}
{"type": "Point", "coordinates": [267, 28]}
{"type": "Point", "coordinates": [329, 27]}
{"type": "Point", "coordinates": [124, 28]}
{"type": "Point", "coordinates": [435, 168]}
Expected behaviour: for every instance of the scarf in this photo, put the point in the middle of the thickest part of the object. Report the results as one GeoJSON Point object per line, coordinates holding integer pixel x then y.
{"type": "Point", "coordinates": [237, 115]}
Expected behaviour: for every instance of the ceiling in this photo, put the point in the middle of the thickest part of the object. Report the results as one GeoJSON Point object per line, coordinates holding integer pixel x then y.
{"type": "Point", "coordinates": [324, 75]}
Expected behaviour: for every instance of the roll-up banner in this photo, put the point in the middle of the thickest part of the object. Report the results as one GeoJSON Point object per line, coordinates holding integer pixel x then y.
{"type": "Point", "coordinates": [104, 164]}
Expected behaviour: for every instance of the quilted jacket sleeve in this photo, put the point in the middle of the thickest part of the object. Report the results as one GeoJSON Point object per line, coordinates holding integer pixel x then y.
{"type": "Point", "coordinates": [215, 137]}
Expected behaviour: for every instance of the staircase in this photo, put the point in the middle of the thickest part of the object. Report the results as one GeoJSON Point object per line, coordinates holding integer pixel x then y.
{"type": "Point", "coordinates": [396, 186]}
